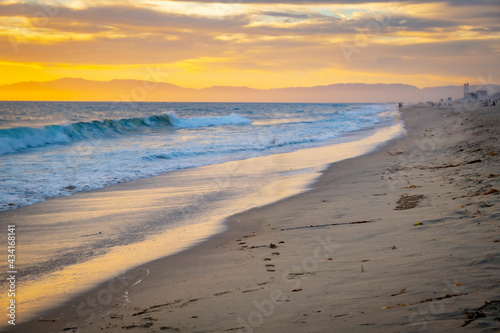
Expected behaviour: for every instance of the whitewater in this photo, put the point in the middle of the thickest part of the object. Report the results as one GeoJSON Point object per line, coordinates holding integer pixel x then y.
{"type": "Point", "coordinates": [51, 149]}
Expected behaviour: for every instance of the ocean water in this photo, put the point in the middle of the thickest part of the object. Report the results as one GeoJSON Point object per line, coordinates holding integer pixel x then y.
{"type": "Point", "coordinates": [50, 149]}
{"type": "Point", "coordinates": [168, 175]}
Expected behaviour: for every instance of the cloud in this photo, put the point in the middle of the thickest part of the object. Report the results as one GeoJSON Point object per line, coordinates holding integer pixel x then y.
{"type": "Point", "coordinates": [295, 15]}
{"type": "Point", "coordinates": [122, 16]}
{"type": "Point", "coordinates": [407, 38]}
{"type": "Point", "coordinates": [448, 58]}
{"type": "Point", "coordinates": [126, 18]}
{"type": "Point", "coordinates": [350, 2]}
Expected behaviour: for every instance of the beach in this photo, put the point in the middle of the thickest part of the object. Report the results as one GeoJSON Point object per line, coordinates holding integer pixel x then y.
{"type": "Point", "coordinates": [402, 239]}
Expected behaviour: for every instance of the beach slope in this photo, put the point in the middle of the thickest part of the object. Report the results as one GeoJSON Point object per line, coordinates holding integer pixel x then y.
{"type": "Point", "coordinates": [403, 239]}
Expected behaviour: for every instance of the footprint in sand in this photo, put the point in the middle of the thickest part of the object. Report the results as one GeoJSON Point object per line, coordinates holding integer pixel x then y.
{"type": "Point", "coordinates": [270, 267]}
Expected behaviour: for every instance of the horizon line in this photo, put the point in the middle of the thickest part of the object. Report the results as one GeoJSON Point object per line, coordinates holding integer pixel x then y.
{"type": "Point", "coordinates": [249, 87]}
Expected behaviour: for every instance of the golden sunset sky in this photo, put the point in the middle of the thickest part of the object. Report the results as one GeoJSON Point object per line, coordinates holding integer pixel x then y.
{"type": "Point", "coordinates": [256, 43]}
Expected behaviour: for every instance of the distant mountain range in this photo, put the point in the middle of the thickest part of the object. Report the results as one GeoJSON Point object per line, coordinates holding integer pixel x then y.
{"type": "Point", "coordinates": [142, 91]}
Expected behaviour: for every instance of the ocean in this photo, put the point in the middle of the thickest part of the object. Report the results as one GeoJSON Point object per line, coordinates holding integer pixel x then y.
{"type": "Point", "coordinates": [95, 189]}
{"type": "Point", "coordinates": [52, 149]}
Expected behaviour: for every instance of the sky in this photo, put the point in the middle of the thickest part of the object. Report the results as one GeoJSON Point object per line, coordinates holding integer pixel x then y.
{"type": "Point", "coordinates": [256, 43]}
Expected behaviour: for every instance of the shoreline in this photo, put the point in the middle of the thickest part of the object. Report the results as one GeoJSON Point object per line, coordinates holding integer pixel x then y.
{"type": "Point", "coordinates": [147, 196]}
{"type": "Point", "coordinates": [225, 284]}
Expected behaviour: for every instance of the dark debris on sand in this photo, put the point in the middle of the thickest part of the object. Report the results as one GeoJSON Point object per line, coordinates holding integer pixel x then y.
{"type": "Point", "coordinates": [408, 201]}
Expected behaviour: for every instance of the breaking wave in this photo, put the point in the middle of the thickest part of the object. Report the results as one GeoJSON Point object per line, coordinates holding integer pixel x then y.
{"type": "Point", "coordinates": [15, 139]}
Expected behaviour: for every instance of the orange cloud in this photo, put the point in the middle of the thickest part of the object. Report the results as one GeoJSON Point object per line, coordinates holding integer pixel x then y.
{"type": "Point", "coordinates": [261, 44]}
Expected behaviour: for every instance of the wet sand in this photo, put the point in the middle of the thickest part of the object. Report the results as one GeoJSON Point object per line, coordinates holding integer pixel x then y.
{"type": "Point", "coordinates": [405, 238]}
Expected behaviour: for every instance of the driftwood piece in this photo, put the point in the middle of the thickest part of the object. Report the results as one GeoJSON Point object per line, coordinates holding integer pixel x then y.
{"type": "Point", "coordinates": [326, 225]}
{"type": "Point", "coordinates": [449, 165]}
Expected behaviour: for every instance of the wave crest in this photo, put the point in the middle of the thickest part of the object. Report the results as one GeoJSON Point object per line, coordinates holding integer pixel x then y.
{"type": "Point", "coordinates": [232, 119]}
{"type": "Point", "coordinates": [15, 139]}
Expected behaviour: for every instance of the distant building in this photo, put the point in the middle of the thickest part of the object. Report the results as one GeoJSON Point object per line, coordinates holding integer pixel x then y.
{"type": "Point", "coordinates": [481, 94]}
{"type": "Point", "coordinates": [472, 96]}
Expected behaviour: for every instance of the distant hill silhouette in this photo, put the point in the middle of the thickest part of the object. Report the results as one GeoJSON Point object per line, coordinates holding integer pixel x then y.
{"type": "Point", "coordinates": [138, 91]}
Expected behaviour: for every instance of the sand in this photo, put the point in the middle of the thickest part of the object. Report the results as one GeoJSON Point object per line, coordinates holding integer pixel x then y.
{"type": "Point", "coordinates": [403, 239]}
